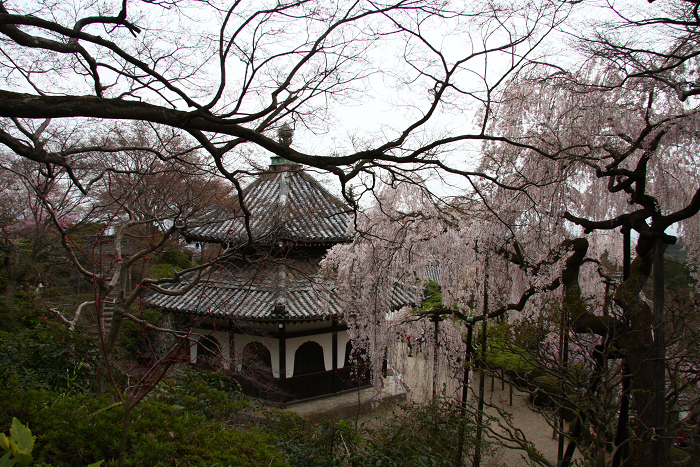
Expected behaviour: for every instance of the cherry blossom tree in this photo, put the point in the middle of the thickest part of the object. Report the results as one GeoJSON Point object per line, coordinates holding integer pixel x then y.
{"type": "Point", "coordinates": [597, 150]}
{"type": "Point", "coordinates": [409, 238]}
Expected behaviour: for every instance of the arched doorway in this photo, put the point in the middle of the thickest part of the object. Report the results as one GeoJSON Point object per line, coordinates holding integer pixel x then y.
{"type": "Point", "coordinates": [309, 359]}
{"type": "Point", "coordinates": [209, 353]}
{"type": "Point", "coordinates": [256, 359]}
{"type": "Point", "coordinates": [256, 377]}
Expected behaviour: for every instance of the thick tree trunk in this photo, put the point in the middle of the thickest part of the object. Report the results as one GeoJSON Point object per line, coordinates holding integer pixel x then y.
{"type": "Point", "coordinates": [636, 341]}
{"type": "Point", "coordinates": [117, 319]}
{"type": "Point", "coordinates": [581, 320]}
{"type": "Point", "coordinates": [638, 344]}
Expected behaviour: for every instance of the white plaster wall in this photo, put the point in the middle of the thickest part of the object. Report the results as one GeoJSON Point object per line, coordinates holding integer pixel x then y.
{"type": "Point", "coordinates": [343, 339]}
{"type": "Point", "coordinates": [241, 340]}
{"type": "Point", "coordinates": [293, 327]}
{"type": "Point", "coordinates": [221, 336]}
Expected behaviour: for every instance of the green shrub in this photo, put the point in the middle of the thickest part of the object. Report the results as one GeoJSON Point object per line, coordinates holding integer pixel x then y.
{"type": "Point", "coordinates": [135, 339]}
{"type": "Point", "coordinates": [78, 430]}
{"type": "Point", "coordinates": [544, 388]}
{"type": "Point", "coordinates": [307, 443]}
{"type": "Point", "coordinates": [433, 297]}
{"type": "Point", "coordinates": [177, 258]}
{"type": "Point", "coordinates": [47, 357]}
{"type": "Point", "coordinates": [70, 430]}
{"type": "Point", "coordinates": [210, 394]}
{"type": "Point", "coordinates": [173, 260]}
{"type": "Point", "coordinates": [415, 435]}
{"type": "Point", "coordinates": [504, 354]}
{"type": "Point", "coordinates": [421, 435]}
{"type": "Point", "coordinates": [25, 312]}
{"type": "Point", "coordinates": [165, 435]}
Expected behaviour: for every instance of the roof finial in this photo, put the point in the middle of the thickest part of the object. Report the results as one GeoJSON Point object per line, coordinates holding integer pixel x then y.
{"type": "Point", "coordinates": [285, 133]}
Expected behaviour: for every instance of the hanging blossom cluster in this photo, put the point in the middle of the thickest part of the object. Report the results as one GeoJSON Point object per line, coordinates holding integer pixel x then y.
{"type": "Point", "coordinates": [383, 270]}
{"type": "Point", "coordinates": [407, 239]}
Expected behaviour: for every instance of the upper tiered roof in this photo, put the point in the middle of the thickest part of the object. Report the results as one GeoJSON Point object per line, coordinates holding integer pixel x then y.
{"type": "Point", "coordinates": [285, 204]}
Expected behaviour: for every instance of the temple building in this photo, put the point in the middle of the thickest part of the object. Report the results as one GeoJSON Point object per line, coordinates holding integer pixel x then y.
{"type": "Point", "coordinates": [275, 321]}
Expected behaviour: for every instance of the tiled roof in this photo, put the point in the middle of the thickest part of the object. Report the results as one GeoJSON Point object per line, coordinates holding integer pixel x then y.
{"type": "Point", "coordinates": [288, 289]}
{"type": "Point", "coordinates": [285, 204]}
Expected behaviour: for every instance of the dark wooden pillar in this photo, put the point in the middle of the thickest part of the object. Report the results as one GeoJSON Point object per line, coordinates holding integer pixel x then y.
{"type": "Point", "coordinates": [334, 326]}
{"type": "Point", "coordinates": [283, 352]}
{"type": "Point", "coordinates": [231, 349]}
{"type": "Point", "coordinates": [436, 321]}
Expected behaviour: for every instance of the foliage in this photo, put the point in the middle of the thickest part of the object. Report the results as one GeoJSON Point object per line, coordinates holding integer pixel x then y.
{"type": "Point", "coordinates": [160, 433]}
{"type": "Point", "coordinates": [177, 258]}
{"type": "Point", "coordinates": [413, 434]}
{"type": "Point", "coordinates": [677, 278]}
{"type": "Point", "coordinates": [134, 339]}
{"type": "Point", "coordinates": [190, 420]}
{"type": "Point", "coordinates": [502, 353]}
{"type": "Point", "coordinates": [433, 297]}
{"type": "Point", "coordinates": [212, 395]}
{"type": "Point", "coordinates": [307, 443]}
{"type": "Point", "coordinates": [422, 435]}
{"type": "Point", "coordinates": [47, 356]}
{"type": "Point", "coordinates": [21, 314]}
{"type": "Point", "coordinates": [168, 262]}
{"type": "Point", "coordinates": [18, 446]}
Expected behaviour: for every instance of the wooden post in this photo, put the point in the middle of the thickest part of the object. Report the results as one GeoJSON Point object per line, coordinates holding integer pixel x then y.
{"type": "Point", "coordinates": [232, 349]}
{"type": "Point", "coordinates": [465, 392]}
{"type": "Point", "coordinates": [564, 353]}
{"type": "Point", "coordinates": [510, 387]}
{"type": "Point", "coordinates": [467, 360]}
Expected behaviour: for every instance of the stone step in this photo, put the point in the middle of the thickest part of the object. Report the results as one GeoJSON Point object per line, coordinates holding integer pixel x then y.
{"type": "Point", "coordinates": [107, 314]}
